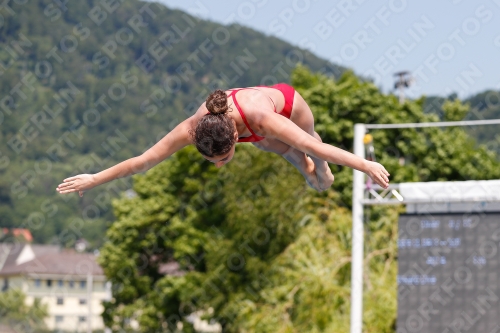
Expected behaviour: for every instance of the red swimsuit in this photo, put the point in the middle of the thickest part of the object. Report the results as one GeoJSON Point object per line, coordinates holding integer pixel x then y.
{"type": "Point", "coordinates": [287, 91]}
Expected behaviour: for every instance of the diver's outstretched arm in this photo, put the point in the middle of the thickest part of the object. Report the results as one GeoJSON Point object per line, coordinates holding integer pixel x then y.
{"type": "Point", "coordinates": [175, 140]}
{"type": "Point", "coordinates": [274, 126]}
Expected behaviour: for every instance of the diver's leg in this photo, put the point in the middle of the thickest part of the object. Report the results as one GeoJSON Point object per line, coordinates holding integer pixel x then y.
{"type": "Point", "coordinates": [302, 116]}
{"type": "Point", "coordinates": [298, 159]}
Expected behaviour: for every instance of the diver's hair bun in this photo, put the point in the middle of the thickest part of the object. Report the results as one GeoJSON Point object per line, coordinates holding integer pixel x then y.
{"type": "Point", "coordinates": [217, 102]}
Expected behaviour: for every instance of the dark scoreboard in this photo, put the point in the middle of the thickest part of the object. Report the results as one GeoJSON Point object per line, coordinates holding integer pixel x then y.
{"type": "Point", "coordinates": [449, 273]}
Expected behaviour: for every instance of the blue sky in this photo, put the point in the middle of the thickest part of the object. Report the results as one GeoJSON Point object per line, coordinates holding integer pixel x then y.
{"type": "Point", "coordinates": [448, 45]}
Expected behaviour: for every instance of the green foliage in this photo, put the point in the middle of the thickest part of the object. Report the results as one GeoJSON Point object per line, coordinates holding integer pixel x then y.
{"type": "Point", "coordinates": [259, 252]}
{"type": "Point", "coordinates": [454, 110]}
{"type": "Point", "coordinates": [199, 216]}
{"type": "Point", "coordinates": [15, 313]}
{"type": "Point", "coordinates": [485, 105]}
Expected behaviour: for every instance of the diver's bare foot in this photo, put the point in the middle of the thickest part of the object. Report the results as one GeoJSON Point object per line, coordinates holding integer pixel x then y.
{"type": "Point", "coordinates": [310, 175]}
{"type": "Point", "coordinates": [319, 182]}
{"type": "Point", "coordinates": [326, 178]}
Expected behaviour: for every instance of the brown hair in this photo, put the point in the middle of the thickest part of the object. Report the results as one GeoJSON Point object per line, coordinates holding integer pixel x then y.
{"type": "Point", "coordinates": [214, 133]}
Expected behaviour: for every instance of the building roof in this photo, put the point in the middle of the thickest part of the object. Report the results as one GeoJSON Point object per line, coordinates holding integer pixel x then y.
{"type": "Point", "coordinates": [10, 252]}
{"type": "Point", "coordinates": [64, 263]}
{"type": "Point", "coordinates": [19, 232]}
{"type": "Point", "coordinates": [41, 250]}
{"type": "Point", "coordinates": [6, 254]}
{"type": "Point", "coordinates": [6, 329]}
{"type": "Point", "coordinates": [21, 259]}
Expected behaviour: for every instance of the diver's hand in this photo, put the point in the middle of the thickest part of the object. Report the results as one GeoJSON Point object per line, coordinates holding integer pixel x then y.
{"type": "Point", "coordinates": [378, 173]}
{"type": "Point", "coordinates": [78, 183]}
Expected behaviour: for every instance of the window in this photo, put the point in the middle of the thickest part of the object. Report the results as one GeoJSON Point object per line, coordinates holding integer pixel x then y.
{"type": "Point", "coordinates": [82, 319]}
{"type": "Point", "coordinates": [59, 319]}
{"type": "Point", "coordinates": [5, 284]}
{"type": "Point", "coordinates": [71, 284]}
{"type": "Point", "coordinates": [83, 284]}
{"type": "Point", "coordinates": [82, 301]}
{"type": "Point", "coordinates": [38, 283]}
{"type": "Point", "coordinates": [60, 301]}
{"type": "Point", "coordinates": [49, 283]}
{"type": "Point", "coordinates": [60, 283]}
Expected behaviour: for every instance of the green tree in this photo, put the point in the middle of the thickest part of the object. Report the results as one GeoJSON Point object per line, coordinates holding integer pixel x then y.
{"type": "Point", "coordinates": [16, 313]}
{"type": "Point", "coordinates": [485, 105]}
{"type": "Point", "coordinates": [259, 252]}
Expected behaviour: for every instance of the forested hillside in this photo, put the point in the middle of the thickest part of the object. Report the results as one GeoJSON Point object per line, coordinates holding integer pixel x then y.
{"type": "Point", "coordinates": [88, 83]}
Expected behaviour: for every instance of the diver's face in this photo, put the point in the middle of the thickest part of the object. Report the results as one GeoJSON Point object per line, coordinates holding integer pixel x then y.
{"type": "Point", "coordinates": [222, 159]}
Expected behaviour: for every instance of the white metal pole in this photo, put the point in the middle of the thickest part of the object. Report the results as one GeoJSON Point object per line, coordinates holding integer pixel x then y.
{"type": "Point", "coordinates": [357, 235]}
{"type": "Point", "coordinates": [90, 287]}
{"type": "Point", "coordinates": [401, 90]}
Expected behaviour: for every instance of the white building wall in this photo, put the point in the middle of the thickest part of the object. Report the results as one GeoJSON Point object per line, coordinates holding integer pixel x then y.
{"type": "Point", "coordinates": [66, 316]}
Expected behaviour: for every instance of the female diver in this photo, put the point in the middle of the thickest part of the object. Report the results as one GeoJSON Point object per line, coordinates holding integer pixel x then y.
{"type": "Point", "coordinates": [215, 129]}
